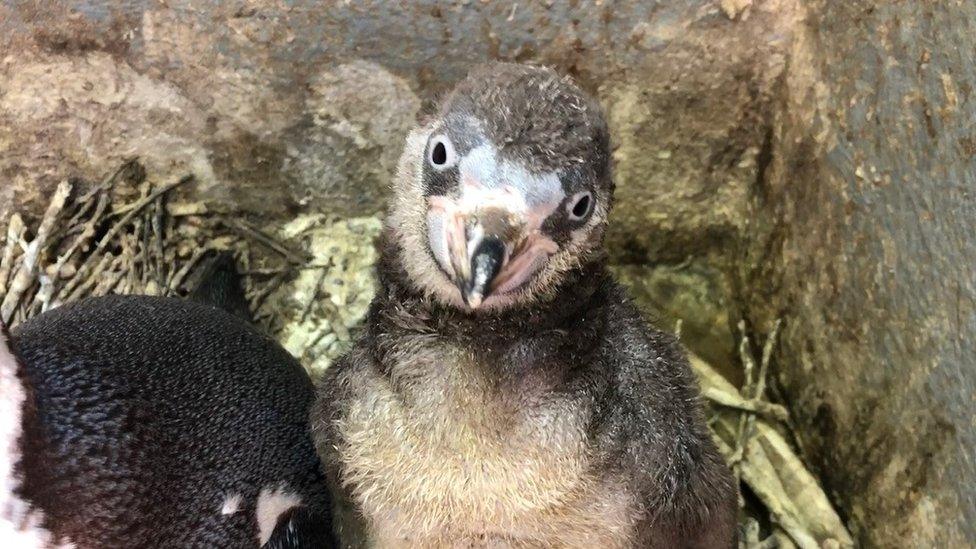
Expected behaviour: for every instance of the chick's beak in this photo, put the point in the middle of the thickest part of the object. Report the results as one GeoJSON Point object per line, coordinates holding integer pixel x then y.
{"type": "Point", "coordinates": [486, 263]}
{"type": "Point", "coordinates": [488, 245]}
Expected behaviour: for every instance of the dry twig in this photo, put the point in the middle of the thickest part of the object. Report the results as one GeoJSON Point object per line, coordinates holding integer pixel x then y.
{"type": "Point", "coordinates": [15, 234]}
{"type": "Point", "coordinates": [259, 236]}
{"type": "Point", "coordinates": [775, 473]}
{"type": "Point", "coordinates": [26, 275]}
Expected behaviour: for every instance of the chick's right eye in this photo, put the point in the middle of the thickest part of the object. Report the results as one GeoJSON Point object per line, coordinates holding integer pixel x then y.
{"type": "Point", "coordinates": [581, 207]}
{"type": "Point", "coordinates": [441, 152]}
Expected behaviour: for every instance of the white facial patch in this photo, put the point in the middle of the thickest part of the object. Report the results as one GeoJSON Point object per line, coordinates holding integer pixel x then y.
{"type": "Point", "coordinates": [232, 504]}
{"type": "Point", "coordinates": [272, 503]}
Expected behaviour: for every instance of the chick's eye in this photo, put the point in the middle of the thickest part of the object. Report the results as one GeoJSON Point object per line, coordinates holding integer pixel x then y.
{"type": "Point", "coordinates": [581, 206]}
{"type": "Point", "coordinates": [441, 155]}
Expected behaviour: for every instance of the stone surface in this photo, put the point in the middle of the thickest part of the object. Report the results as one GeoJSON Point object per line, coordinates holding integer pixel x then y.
{"type": "Point", "coordinates": [80, 115]}
{"type": "Point", "coordinates": [278, 113]}
{"type": "Point", "coordinates": [865, 246]}
{"type": "Point", "coordinates": [360, 116]}
{"type": "Point", "coordinates": [64, 116]}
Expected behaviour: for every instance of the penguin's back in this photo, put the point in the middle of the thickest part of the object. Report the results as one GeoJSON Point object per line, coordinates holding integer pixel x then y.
{"type": "Point", "coordinates": [165, 422]}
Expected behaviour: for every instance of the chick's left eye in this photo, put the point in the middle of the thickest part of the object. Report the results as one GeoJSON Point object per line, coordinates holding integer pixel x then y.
{"type": "Point", "coordinates": [581, 206]}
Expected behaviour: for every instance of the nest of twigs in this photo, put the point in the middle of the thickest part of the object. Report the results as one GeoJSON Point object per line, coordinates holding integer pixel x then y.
{"type": "Point", "coordinates": [126, 236]}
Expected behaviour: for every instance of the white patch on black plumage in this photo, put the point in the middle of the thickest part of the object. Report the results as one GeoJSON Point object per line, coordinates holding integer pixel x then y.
{"type": "Point", "coordinates": [20, 525]}
{"type": "Point", "coordinates": [272, 503]}
{"type": "Point", "coordinates": [231, 505]}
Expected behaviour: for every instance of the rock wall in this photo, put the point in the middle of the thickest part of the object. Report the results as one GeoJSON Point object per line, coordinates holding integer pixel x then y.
{"type": "Point", "coordinates": [866, 246]}
{"type": "Point", "coordinates": [302, 106]}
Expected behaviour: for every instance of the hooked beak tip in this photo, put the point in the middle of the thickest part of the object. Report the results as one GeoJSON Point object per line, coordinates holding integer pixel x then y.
{"type": "Point", "coordinates": [486, 263]}
{"type": "Point", "coordinates": [472, 300]}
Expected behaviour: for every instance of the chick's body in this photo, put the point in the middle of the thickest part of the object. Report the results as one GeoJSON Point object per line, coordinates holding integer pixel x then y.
{"type": "Point", "coordinates": [545, 414]}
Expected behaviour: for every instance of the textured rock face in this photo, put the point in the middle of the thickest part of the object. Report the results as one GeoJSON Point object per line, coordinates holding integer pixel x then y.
{"type": "Point", "coordinates": [360, 115]}
{"type": "Point", "coordinates": [316, 314]}
{"type": "Point", "coordinates": [867, 251]}
{"type": "Point", "coordinates": [78, 115]}
{"type": "Point", "coordinates": [272, 107]}
{"type": "Point", "coordinates": [61, 116]}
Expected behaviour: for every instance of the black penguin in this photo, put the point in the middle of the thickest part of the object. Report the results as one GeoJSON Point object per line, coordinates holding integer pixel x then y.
{"type": "Point", "coordinates": [505, 391]}
{"type": "Point", "coordinates": [161, 422]}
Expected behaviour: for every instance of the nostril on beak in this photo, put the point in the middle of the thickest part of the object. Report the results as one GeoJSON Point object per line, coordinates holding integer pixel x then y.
{"type": "Point", "coordinates": [486, 262]}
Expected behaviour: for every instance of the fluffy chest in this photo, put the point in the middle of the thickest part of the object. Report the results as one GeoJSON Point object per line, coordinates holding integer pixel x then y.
{"type": "Point", "coordinates": [439, 453]}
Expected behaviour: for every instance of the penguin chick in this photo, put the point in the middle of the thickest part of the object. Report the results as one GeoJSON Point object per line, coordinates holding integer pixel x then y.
{"type": "Point", "coordinates": [505, 392]}
{"type": "Point", "coordinates": [155, 422]}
